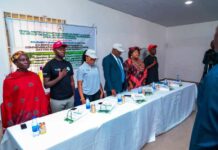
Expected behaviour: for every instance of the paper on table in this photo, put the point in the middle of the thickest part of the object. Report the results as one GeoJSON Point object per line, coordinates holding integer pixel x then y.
{"type": "Point", "coordinates": [164, 88]}
{"type": "Point", "coordinates": [74, 115]}
{"type": "Point", "coordinates": [138, 98]}
{"type": "Point", "coordinates": [106, 106]}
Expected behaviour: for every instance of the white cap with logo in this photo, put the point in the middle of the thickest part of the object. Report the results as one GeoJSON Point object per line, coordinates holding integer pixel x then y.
{"type": "Point", "coordinates": [91, 53]}
{"type": "Point", "coordinates": [118, 47]}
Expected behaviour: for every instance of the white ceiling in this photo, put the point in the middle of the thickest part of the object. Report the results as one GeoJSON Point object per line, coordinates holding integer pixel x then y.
{"type": "Point", "coordinates": [167, 12]}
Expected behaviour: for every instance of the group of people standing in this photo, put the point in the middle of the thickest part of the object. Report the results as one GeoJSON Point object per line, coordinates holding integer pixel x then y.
{"type": "Point", "coordinates": [130, 74]}
{"type": "Point", "coordinates": [118, 75]}
{"type": "Point", "coordinates": [24, 95]}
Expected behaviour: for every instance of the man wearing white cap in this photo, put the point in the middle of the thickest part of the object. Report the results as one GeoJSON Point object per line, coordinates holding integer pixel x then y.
{"type": "Point", "coordinates": [114, 72]}
{"type": "Point", "coordinates": [88, 78]}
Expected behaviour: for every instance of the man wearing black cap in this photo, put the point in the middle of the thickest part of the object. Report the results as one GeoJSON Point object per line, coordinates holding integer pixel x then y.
{"type": "Point", "coordinates": [58, 76]}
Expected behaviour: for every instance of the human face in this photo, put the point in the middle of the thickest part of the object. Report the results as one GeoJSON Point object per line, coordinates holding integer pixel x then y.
{"type": "Point", "coordinates": [60, 52]}
{"type": "Point", "coordinates": [90, 61]}
{"type": "Point", "coordinates": [153, 51]}
{"type": "Point", "coordinates": [116, 52]}
{"type": "Point", "coordinates": [23, 62]}
{"type": "Point", "coordinates": [135, 54]}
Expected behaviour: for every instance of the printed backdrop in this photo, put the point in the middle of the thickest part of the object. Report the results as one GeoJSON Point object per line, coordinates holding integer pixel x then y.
{"type": "Point", "coordinates": [36, 38]}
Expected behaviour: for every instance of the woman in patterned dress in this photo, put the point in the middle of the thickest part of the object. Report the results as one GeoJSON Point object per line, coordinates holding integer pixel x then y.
{"type": "Point", "coordinates": [135, 69]}
{"type": "Point", "coordinates": [23, 94]}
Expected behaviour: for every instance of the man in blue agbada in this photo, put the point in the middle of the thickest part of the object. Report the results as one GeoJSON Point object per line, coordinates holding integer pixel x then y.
{"type": "Point", "coordinates": [205, 130]}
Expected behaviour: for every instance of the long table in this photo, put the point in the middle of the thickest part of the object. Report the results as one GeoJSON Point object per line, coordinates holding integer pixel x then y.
{"type": "Point", "coordinates": [127, 126]}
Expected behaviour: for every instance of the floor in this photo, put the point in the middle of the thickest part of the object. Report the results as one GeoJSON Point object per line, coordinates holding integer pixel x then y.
{"type": "Point", "coordinates": [176, 139]}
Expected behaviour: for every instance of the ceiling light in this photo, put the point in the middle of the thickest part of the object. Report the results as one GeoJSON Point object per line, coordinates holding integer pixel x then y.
{"type": "Point", "coordinates": [188, 2]}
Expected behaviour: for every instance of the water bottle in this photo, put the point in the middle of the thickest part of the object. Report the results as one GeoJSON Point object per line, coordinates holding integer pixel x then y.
{"type": "Point", "coordinates": [35, 127]}
{"type": "Point", "coordinates": [177, 78]}
{"type": "Point", "coordinates": [139, 90]}
{"type": "Point", "coordinates": [87, 104]}
{"type": "Point", "coordinates": [165, 82]}
{"type": "Point", "coordinates": [119, 99]}
{"type": "Point", "coordinates": [153, 86]}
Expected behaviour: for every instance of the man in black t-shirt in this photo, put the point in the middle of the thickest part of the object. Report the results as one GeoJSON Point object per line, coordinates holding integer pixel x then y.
{"type": "Point", "coordinates": [58, 76]}
{"type": "Point", "coordinates": [151, 65]}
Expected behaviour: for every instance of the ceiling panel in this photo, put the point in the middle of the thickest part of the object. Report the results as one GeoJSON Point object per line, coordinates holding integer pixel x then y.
{"type": "Point", "coordinates": [166, 12]}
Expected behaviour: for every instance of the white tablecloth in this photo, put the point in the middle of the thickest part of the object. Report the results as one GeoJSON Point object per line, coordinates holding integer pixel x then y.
{"type": "Point", "coordinates": [127, 126]}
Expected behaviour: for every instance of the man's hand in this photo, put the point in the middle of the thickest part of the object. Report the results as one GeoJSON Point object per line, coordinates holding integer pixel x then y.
{"type": "Point", "coordinates": [101, 94]}
{"type": "Point", "coordinates": [83, 100]}
{"type": "Point", "coordinates": [154, 62]}
{"type": "Point", "coordinates": [62, 73]}
{"type": "Point", "coordinates": [113, 92]}
{"type": "Point", "coordinates": [130, 87]}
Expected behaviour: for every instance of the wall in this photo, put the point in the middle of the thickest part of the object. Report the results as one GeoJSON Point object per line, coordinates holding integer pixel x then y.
{"type": "Point", "coordinates": [112, 26]}
{"type": "Point", "coordinates": [186, 46]}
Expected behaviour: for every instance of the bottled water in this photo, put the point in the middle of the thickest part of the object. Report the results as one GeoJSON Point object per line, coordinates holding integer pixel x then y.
{"type": "Point", "coordinates": [139, 90]}
{"type": "Point", "coordinates": [87, 104]}
{"type": "Point", "coordinates": [177, 78]}
{"type": "Point", "coordinates": [153, 86]}
{"type": "Point", "coordinates": [166, 82]}
{"type": "Point", "coordinates": [35, 127]}
{"type": "Point", "coordinates": [119, 99]}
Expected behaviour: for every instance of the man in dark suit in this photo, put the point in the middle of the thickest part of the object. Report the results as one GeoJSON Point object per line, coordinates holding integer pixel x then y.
{"type": "Point", "coordinates": [114, 72]}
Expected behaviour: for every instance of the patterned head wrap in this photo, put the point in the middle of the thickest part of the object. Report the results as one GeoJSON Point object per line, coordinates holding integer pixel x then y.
{"type": "Point", "coordinates": [132, 49]}
{"type": "Point", "coordinates": [16, 55]}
